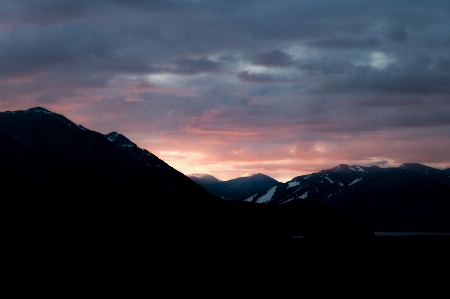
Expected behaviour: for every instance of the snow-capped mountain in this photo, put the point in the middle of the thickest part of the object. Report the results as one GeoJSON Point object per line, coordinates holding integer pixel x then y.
{"type": "Point", "coordinates": [409, 197]}
{"type": "Point", "coordinates": [322, 186]}
{"type": "Point", "coordinates": [343, 183]}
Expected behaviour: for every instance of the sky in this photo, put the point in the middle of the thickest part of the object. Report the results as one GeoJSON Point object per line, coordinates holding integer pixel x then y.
{"type": "Point", "coordinates": [233, 88]}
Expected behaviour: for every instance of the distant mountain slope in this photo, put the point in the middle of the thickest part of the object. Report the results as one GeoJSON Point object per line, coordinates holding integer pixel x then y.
{"type": "Point", "coordinates": [447, 171]}
{"type": "Point", "coordinates": [208, 182]}
{"type": "Point", "coordinates": [158, 170]}
{"type": "Point", "coordinates": [411, 197]}
{"type": "Point", "coordinates": [204, 178]}
{"type": "Point", "coordinates": [236, 189]}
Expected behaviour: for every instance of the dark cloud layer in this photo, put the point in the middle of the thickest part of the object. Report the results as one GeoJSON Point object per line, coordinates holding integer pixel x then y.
{"type": "Point", "coordinates": [190, 66]}
{"type": "Point", "coordinates": [234, 72]}
{"type": "Point", "coordinates": [275, 58]}
{"type": "Point", "coordinates": [259, 77]}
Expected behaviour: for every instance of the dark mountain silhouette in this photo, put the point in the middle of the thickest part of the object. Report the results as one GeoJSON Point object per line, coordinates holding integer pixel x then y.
{"type": "Point", "coordinates": [411, 197]}
{"type": "Point", "coordinates": [60, 180]}
{"type": "Point", "coordinates": [208, 182]}
{"type": "Point", "coordinates": [71, 153]}
{"type": "Point", "coordinates": [236, 189]}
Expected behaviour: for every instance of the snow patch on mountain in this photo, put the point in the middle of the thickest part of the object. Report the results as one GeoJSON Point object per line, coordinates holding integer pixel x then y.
{"type": "Point", "coordinates": [268, 196]}
{"type": "Point", "coordinates": [251, 197]}
{"type": "Point", "coordinates": [340, 184]}
{"type": "Point", "coordinates": [304, 195]}
{"type": "Point", "coordinates": [352, 168]}
{"type": "Point", "coordinates": [359, 168]}
{"type": "Point", "coordinates": [307, 177]}
{"type": "Point", "coordinates": [113, 136]}
{"type": "Point", "coordinates": [341, 166]}
{"type": "Point", "coordinates": [293, 184]}
{"type": "Point", "coordinates": [147, 153]}
{"type": "Point", "coordinates": [39, 110]}
{"type": "Point", "coordinates": [297, 190]}
{"type": "Point", "coordinates": [330, 180]}
{"type": "Point", "coordinates": [288, 200]}
{"type": "Point", "coordinates": [355, 181]}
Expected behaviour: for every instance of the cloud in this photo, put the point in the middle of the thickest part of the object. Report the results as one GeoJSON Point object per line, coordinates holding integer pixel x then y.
{"type": "Point", "coordinates": [396, 34]}
{"type": "Point", "coordinates": [275, 58]}
{"type": "Point", "coordinates": [191, 66]}
{"type": "Point", "coordinates": [260, 77]}
{"type": "Point", "coordinates": [380, 60]}
{"type": "Point", "coordinates": [380, 163]}
{"type": "Point", "coordinates": [348, 43]}
{"type": "Point", "coordinates": [255, 77]}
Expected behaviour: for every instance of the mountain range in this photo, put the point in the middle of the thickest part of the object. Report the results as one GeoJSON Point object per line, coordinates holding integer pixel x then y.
{"type": "Point", "coordinates": [235, 189]}
{"type": "Point", "coordinates": [411, 197]}
{"type": "Point", "coordinates": [62, 181]}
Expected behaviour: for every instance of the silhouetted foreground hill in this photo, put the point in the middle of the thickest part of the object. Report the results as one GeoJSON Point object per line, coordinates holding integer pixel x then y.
{"type": "Point", "coordinates": [411, 197]}
{"type": "Point", "coordinates": [63, 182]}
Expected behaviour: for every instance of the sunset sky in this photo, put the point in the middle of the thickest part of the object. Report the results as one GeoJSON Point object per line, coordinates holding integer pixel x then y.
{"type": "Point", "coordinates": [233, 88]}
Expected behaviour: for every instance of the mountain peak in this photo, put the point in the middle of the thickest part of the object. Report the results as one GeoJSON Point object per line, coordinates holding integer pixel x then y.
{"type": "Point", "coordinates": [341, 167]}
{"type": "Point", "coordinates": [112, 136]}
{"type": "Point", "coordinates": [39, 110]}
{"type": "Point", "coordinates": [37, 114]}
{"type": "Point", "coordinates": [203, 177]}
{"type": "Point", "coordinates": [415, 167]}
{"type": "Point", "coordinates": [261, 176]}
{"type": "Point", "coordinates": [347, 168]}
{"type": "Point", "coordinates": [406, 165]}
{"type": "Point", "coordinates": [119, 139]}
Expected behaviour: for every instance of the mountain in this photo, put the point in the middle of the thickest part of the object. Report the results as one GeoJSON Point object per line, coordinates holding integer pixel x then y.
{"type": "Point", "coordinates": [411, 197]}
{"type": "Point", "coordinates": [60, 180]}
{"type": "Point", "coordinates": [241, 188]}
{"type": "Point", "coordinates": [208, 182]}
{"type": "Point", "coordinates": [68, 153]}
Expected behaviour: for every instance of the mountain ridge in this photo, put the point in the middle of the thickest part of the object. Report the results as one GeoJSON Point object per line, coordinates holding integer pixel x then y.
{"type": "Point", "coordinates": [238, 188]}
{"type": "Point", "coordinates": [61, 179]}
{"type": "Point", "coordinates": [410, 197]}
